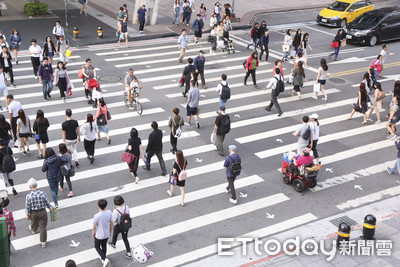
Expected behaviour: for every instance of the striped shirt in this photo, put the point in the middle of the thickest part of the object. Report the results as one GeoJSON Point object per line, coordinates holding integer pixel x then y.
{"type": "Point", "coordinates": [36, 200]}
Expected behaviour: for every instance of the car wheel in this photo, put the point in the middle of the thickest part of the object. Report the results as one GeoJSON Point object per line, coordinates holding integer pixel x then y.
{"type": "Point", "coordinates": [298, 185]}
{"type": "Point", "coordinates": [285, 179]}
{"type": "Point", "coordinates": [373, 40]}
{"type": "Point", "coordinates": [342, 23]}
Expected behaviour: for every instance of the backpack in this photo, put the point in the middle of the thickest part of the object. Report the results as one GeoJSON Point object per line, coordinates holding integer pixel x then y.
{"type": "Point", "coordinates": [225, 124]}
{"type": "Point", "coordinates": [188, 9]}
{"type": "Point", "coordinates": [307, 133]}
{"type": "Point", "coordinates": [244, 63]}
{"type": "Point", "coordinates": [183, 174]}
{"type": "Point", "coordinates": [236, 166]}
{"type": "Point", "coordinates": [8, 164]}
{"type": "Point", "coordinates": [178, 130]}
{"type": "Point", "coordinates": [225, 92]}
{"type": "Point", "coordinates": [125, 222]}
{"type": "Point", "coordinates": [280, 86]}
{"type": "Point", "coordinates": [397, 116]}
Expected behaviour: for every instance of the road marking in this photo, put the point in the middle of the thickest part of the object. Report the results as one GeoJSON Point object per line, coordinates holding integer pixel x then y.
{"type": "Point", "coordinates": [328, 33]}
{"type": "Point", "coordinates": [31, 76]}
{"type": "Point", "coordinates": [212, 249]}
{"type": "Point", "coordinates": [349, 72]}
{"type": "Point", "coordinates": [177, 228]}
{"type": "Point", "coordinates": [18, 69]}
{"type": "Point", "coordinates": [56, 59]}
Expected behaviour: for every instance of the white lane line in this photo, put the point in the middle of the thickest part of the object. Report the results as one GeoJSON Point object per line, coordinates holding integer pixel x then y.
{"type": "Point", "coordinates": [263, 232]}
{"type": "Point", "coordinates": [338, 180]}
{"type": "Point", "coordinates": [102, 151]}
{"type": "Point", "coordinates": [177, 228]}
{"type": "Point", "coordinates": [31, 76]}
{"type": "Point", "coordinates": [393, 191]}
{"type": "Point", "coordinates": [333, 137]}
{"type": "Point", "coordinates": [56, 59]}
{"type": "Point", "coordinates": [120, 167]}
{"type": "Point", "coordinates": [328, 33]}
{"type": "Point", "coordinates": [264, 103]}
{"type": "Point", "coordinates": [17, 69]}
{"type": "Point", "coordinates": [79, 227]}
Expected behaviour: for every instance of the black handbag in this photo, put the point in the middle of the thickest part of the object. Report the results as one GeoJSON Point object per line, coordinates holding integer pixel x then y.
{"type": "Point", "coordinates": [101, 120]}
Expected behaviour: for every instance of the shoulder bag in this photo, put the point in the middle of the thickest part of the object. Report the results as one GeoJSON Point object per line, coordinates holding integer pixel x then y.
{"type": "Point", "coordinates": [101, 119]}
{"type": "Point", "coordinates": [37, 136]}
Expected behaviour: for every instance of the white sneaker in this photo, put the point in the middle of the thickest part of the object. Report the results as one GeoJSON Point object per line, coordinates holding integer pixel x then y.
{"type": "Point", "coordinates": [106, 263]}
{"type": "Point", "coordinates": [44, 245]}
{"type": "Point", "coordinates": [234, 201]}
{"type": "Point", "coordinates": [226, 191]}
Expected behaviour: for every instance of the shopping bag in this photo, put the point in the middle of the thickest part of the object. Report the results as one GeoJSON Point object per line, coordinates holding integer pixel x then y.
{"type": "Point", "coordinates": [172, 179]}
{"type": "Point", "coordinates": [214, 138]}
{"type": "Point", "coordinates": [69, 92]}
{"type": "Point", "coordinates": [343, 43]}
{"type": "Point", "coordinates": [53, 214]}
{"type": "Point", "coordinates": [317, 87]}
{"type": "Point", "coordinates": [68, 53]}
{"type": "Point", "coordinates": [290, 79]}
{"type": "Point", "coordinates": [285, 48]}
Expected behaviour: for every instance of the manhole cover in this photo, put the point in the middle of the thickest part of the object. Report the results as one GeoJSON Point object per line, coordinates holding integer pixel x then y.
{"type": "Point", "coordinates": [110, 78]}
{"type": "Point", "coordinates": [344, 219]}
{"type": "Point", "coordinates": [337, 80]}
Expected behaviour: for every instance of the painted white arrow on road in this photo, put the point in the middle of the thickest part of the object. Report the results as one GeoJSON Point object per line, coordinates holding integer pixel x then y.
{"type": "Point", "coordinates": [237, 116]}
{"type": "Point", "coordinates": [243, 195]}
{"type": "Point", "coordinates": [269, 216]}
{"type": "Point", "coordinates": [203, 96]}
{"type": "Point", "coordinates": [358, 187]}
{"type": "Point", "coordinates": [329, 170]}
{"type": "Point", "coordinates": [279, 140]}
{"type": "Point", "coordinates": [199, 160]}
{"type": "Point", "coordinates": [74, 244]}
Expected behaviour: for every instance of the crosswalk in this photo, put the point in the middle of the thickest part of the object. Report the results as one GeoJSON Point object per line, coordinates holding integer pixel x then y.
{"type": "Point", "coordinates": [158, 221]}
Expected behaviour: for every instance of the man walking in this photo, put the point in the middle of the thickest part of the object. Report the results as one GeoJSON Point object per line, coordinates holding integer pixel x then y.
{"type": "Point", "coordinates": [71, 135]}
{"type": "Point", "coordinates": [35, 207]}
{"type": "Point", "coordinates": [275, 84]}
{"type": "Point", "coordinates": [182, 44]}
{"type": "Point", "coordinates": [198, 26]}
{"type": "Point", "coordinates": [305, 135]}
{"type": "Point", "coordinates": [221, 128]}
{"type": "Point", "coordinates": [61, 49]}
{"type": "Point", "coordinates": [13, 108]}
{"type": "Point", "coordinates": [223, 90]}
{"type": "Point", "coordinates": [188, 73]}
{"type": "Point", "coordinates": [58, 30]}
{"type": "Point", "coordinates": [264, 45]}
{"type": "Point", "coordinates": [101, 230]}
{"type": "Point", "coordinates": [3, 86]}
{"type": "Point", "coordinates": [141, 13]}
{"type": "Point", "coordinates": [199, 62]}
{"type": "Point", "coordinates": [233, 167]}
{"type": "Point", "coordinates": [46, 78]}
{"type": "Point", "coordinates": [193, 103]}
{"type": "Point", "coordinates": [155, 146]}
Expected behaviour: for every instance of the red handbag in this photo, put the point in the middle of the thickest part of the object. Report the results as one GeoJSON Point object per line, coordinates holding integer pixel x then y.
{"type": "Point", "coordinates": [127, 157]}
{"type": "Point", "coordinates": [335, 44]}
{"type": "Point", "coordinates": [80, 74]}
{"type": "Point", "coordinates": [182, 81]}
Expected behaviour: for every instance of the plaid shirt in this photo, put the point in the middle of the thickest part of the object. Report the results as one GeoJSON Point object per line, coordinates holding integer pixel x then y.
{"type": "Point", "coordinates": [10, 220]}
{"type": "Point", "coordinates": [36, 200]}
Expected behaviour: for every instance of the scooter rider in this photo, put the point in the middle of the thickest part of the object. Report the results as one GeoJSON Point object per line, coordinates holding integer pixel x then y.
{"type": "Point", "coordinates": [128, 80]}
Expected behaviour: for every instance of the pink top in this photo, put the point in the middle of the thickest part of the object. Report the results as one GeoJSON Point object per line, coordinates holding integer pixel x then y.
{"type": "Point", "coordinates": [303, 160]}
{"type": "Point", "coordinates": [101, 110]}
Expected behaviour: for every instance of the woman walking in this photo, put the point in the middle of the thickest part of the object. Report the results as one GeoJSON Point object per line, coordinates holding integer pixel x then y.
{"type": "Point", "coordinates": [288, 42]}
{"type": "Point", "coordinates": [34, 51]}
{"type": "Point", "coordinates": [338, 38]}
{"type": "Point", "coordinates": [214, 39]}
{"type": "Point", "coordinates": [202, 12]}
{"type": "Point", "coordinates": [6, 176]}
{"type": "Point", "coordinates": [15, 42]}
{"type": "Point", "coordinates": [304, 44]}
{"type": "Point", "coordinates": [51, 166]}
{"type": "Point", "coordinates": [177, 12]}
{"type": "Point", "coordinates": [5, 130]}
{"type": "Point", "coordinates": [315, 133]}
{"type": "Point", "coordinates": [254, 35]}
{"type": "Point", "coordinates": [83, 8]}
{"type": "Point", "coordinates": [89, 129]}
{"type": "Point", "coordinates": [187, 12]}
{"type": "Point", "coordinates": [361, 105]}
{"type": "Point", "coordinates": [377, 66]}
{"type": "Point", "coordinates": [49, 49]}
{"type": "Point", "coordinates": [299, 77]}
{"type": "Point", "coordinates": [5, 61]}
{"type": "Point", "coordinates": [23, 130]}
{"type": "Point", "coordinates": [89, 72]}
{"type": "Point", "coordinates": [102, 119]}
{"type": "Point", "coordinates": [65, 155]}
{"type": "Point", "coordinates": [322, 76]}
{"type": "Point", "coordinates": [61, 79]}
{"type": "Point", "coordinates": [118, 212]}
{"type": "Point", "coordinates": [135, 148]}
{"type": "Point", "coordinates": [213, 20]}
{"type": "Point", "coordinates": [251, 66]}
{"type": "Point", "coordinates": [179, 165]}
{"type": "Point", "coordinates": [378, 101]}
{"type": "Point", "coordinates": [40, 130]}
{"type": "Point", "coordinates": [297, 40]}
{"type": "Point", "coordinates": [175, 123]}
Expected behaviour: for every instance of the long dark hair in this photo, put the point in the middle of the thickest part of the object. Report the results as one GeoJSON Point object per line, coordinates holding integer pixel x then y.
{"type": "Point", "coordinates": [254, 53]}
{"type": "Point", "coordinates": [305, 36]}
{"type": "Point", "coordinates": [63, 66]}
{"type": "Point", "coordinates": [324, 66]}
{"type": "Point", "coordinates": [89, 118]}
{"type": "Point", "coordinates": [316, 120]}
{"type": "Point", "coordinates": [372, 73]}
{"type": "Point", "coordinates": [378, 86]}
{"type": "Point", "coordinates": [102, 103]}
{"type": "Point", "coordinates": [300, 65]}
{"type": "Point", "coordinates": [21, 115]}
{"type": "Point", "coordinates": [363, 90]}
{"type": "Point", "coordinates": [366, 77]}
{"type": "Point", "coordinates": [40, 115]}
{"type": "Point", "coordinates": [3, 122]}
{"type": "Point", "coordinates": [49, 152]}
{"type": "Point", "coordinates": [180, 159]}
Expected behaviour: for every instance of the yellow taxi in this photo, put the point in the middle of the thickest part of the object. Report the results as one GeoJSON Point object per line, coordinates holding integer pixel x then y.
{"type": "Point", "coordinates": [343, 11]}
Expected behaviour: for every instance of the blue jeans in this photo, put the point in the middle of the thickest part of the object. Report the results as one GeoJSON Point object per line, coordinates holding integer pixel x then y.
{"type": "Point", "coordinates": [288, 52]}
{"type": "Point", "coordinates": [222, 102]}
{"type": "Point", "coordinates": [336, 53]}
{"type": "Point", "coordinates": [218, 17]}
{"type": "Point", "coordinates": [176, 17]}
{"type": "Point", "coordinates": [47, 87]}
{"type": "Point", "coordinates": [53, 183]}
{"type": "Point", "coordinates": [186, 16]}
{"type": "Point", "coordinates": [396, 166]}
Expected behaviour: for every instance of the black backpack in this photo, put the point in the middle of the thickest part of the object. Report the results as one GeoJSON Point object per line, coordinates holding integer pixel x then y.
{"type": "Point", "coordinates": [225, 92]}
{"type": "Point", "coordinates": [307, 133]}
{"type": "Point", "coordinates": [280, 86]}
{"type": "Point", "coordinates": [8, 164]}
{"type": "Point", "coordinates": [125, 222]}
{"type": "Point", "coordinates": [225, 124]}
{"type": "Point", "coordinates": [244, 63]}
{"type": "Point", "coordinates": [236, 166]}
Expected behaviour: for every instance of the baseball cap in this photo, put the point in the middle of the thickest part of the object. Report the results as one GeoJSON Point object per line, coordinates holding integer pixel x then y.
{"type": "Point", "coordinates": [314, 116]}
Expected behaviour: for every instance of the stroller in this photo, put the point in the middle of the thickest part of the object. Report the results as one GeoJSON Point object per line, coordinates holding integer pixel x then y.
{"type": "Point", "coordinates": [226, 44]}
{"type": "Point", "coordinates": [94, 92]}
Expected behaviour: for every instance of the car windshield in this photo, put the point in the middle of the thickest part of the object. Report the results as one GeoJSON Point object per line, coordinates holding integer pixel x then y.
{"type": "Point", "coordinates": [368, 19]}
{"type": "Point", "coordinates": [339, 6]}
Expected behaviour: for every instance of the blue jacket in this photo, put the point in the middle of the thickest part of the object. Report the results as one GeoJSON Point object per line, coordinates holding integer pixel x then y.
{"type": "Point", "coordinates": [141, 14]}
{"type": "Point", "coordinates": [265, 40]}
{"type": "Point", "coordinates": [199, 63]}
{"type": "Point", "coordinates": [198, 25]}
{"type": "Point", "coordinates": [228, 162]}
{"type": "Point", "coordinates": [14, 40]}
{"type": "Point", "coordinates": [52, 167]}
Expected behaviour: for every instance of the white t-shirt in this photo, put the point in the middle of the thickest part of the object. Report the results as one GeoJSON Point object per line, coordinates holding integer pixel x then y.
{"type": "Point", "coordinates": [216, 9]}
{"type": "Point", "coordinates": [3, 84]}
{"type": "Point", "coordinates": [102, 221]}
{"type": "Point", "coordinates": [314, 130]}
{"type": "Point", "coordinates": [288, 39]}
{"type": "Point", "coordinates": [14, 107]}
{"type": "Point", "coordinates": [134, 84]}
{"type": "Point", "coordinates": [384, 55]}
{"type": "Point", "coordinates": [5, 61]}
{"type": "Point", "coordinates": [90, 135]}
{"type": "Point", "coordinates": [35, 50]}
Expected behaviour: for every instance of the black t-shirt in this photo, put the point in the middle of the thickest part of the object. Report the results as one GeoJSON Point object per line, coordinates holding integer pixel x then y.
{"type": "Point", "coordinates": [69, 127]}
{"type": "Point", "coordinates": [218, 122]}
{"type": "Point", "coordinates": [228, 12]}
{"type": "Point", "coordinates": [135, 143]}
{"type": "Point", "coordinates": [40, 126]}
{"type": "Point", "coordinates": [4, 131]}
{"type": "Point", "coordinates": [2, 153]}
{"type": "Point", "coordinates": [179, 168]}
